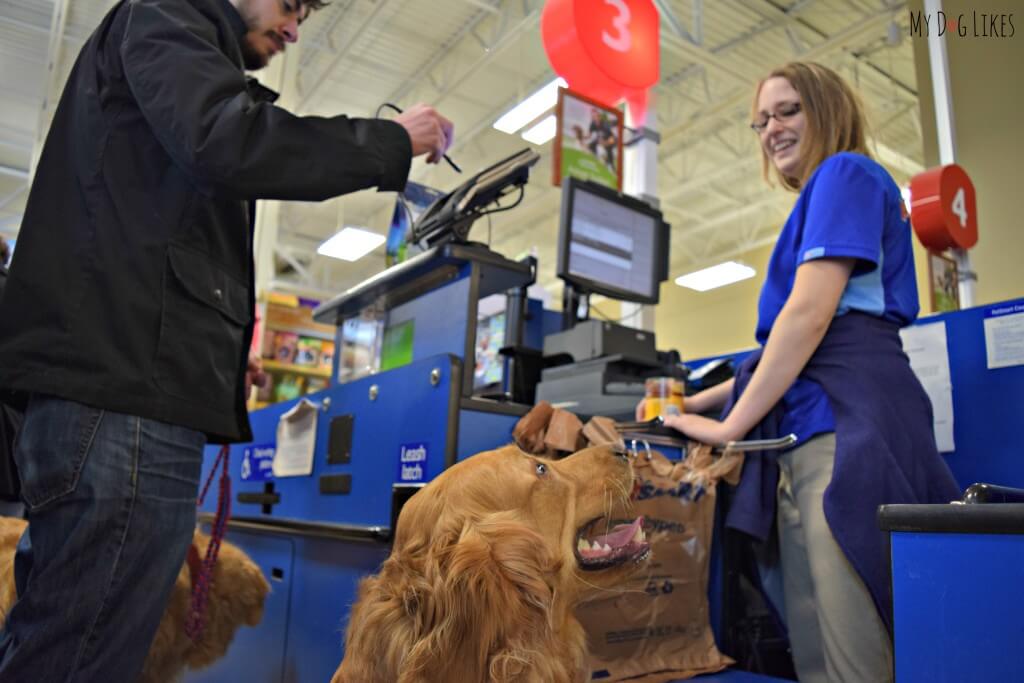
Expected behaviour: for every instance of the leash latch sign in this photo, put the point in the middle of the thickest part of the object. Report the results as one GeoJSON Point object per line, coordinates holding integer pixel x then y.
{"type": "Point", "coordinates": [412, 462]}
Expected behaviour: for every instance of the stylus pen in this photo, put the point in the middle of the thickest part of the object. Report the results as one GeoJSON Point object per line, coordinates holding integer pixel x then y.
{"type": "Point", "coordinates": [443, 156]}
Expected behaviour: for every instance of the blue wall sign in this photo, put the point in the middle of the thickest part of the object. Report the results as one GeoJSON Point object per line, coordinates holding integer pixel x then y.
{"type": "Point", "coordinates": [258, 462]}
{"type": "Point", "coordinates": [412, 462]}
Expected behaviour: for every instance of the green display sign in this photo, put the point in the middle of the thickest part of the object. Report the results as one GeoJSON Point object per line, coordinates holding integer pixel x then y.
{"type": "Point", "coordinates": [396, 347]}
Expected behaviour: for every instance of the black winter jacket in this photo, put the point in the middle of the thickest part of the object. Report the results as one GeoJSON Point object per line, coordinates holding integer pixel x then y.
{"type": "Point", "coordinates": [132, 285]}
{"type": "Point", "coordinates": [10, 423]}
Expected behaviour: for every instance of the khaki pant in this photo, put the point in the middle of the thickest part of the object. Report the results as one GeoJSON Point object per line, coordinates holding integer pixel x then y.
{"type": "Point", "coordinates": [834, 628]}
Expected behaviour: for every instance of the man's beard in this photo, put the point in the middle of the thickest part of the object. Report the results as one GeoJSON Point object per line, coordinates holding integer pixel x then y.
{"type": "Point", "coordinates": [252, 59]}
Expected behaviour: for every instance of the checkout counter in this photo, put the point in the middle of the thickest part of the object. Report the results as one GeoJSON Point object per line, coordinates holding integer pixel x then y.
{"type": "Point", "coordinates": [958, 607]}
{"type": "Point", "coordinates": [367, 443]}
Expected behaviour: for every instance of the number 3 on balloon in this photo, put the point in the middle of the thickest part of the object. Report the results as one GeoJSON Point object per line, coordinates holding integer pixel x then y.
{"type": "Point", "coordinates": [621, 41]}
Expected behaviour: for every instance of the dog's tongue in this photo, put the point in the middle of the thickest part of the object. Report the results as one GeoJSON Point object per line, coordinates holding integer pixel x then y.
{"type": "Point", "coordinates": [621, 534]}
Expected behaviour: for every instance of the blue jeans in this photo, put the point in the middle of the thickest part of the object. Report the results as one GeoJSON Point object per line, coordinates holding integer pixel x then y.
{"type": "Point", "coordinates": [111, 505]}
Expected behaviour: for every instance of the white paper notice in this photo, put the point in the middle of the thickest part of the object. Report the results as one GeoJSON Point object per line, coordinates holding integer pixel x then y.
{"type": "Point", "coordinates": [1004, 335]}
{"type": "Point", "coordinates": [929, 358]}
{"type": "Point", "coordinates": [296, 440]}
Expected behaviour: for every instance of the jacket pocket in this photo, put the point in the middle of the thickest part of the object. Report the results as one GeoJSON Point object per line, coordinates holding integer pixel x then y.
{"type": "Point", "coordinates": [203, 320]}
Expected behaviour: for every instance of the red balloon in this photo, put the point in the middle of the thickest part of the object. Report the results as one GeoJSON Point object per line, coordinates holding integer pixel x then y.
{"type": "Point", "coordinates": [604, 49]}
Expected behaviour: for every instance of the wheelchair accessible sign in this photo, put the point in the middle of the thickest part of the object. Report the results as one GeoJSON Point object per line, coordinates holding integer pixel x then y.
{"type": "Point", "coordinates": [258, 462]}
{"type": "Point", "coordinates": [412, 462]}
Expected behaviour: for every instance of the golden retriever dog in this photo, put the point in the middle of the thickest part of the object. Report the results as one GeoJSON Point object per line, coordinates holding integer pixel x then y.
{"type": "Point", "coordinates": [237, 593]}
{"type": "Point", "coordinates": [489, 561]}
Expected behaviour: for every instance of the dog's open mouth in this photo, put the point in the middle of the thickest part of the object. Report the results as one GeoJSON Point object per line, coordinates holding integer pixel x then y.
{"type": "Point", "coordinates": [624, 543]}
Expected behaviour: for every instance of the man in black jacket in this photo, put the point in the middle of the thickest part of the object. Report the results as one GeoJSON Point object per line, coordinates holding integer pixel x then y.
{"type": "Point", "coordinates": [10, 422]}
{"type": "Point", "coordinates": [129, 310]}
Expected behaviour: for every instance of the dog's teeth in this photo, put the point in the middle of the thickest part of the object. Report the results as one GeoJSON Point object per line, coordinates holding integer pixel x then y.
{"type": "Point", "coordinates": [583, 544]}
{"type": "Point", "coordinates": [607, 548]}
{"type": "Point", "coordinates": [638, 535]}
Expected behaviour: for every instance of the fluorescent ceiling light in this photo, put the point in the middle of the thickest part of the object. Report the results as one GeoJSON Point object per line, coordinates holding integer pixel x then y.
{"type": "Point", "coordinates": [530, 108]}
{"type": "Point", "coordinates": [351, 244]}
{"type": "Point", "coordinates": [716, 276]}
{"type": "Point", "coordinates": [542, 132]}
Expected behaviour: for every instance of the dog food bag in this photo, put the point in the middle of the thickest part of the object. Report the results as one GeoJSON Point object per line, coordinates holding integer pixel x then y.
{"type": "Point", "coordinates": [284, 346]}
{"type": "Point", "coordinates": [307, 352]}
{"type": "Point", "coordinates": [657, 628]}
{"type": "Point", "coordinates": [326, 355]}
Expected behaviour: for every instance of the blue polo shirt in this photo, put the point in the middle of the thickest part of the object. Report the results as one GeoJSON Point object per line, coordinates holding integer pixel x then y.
{"type": "Point", "coordinates": [850, 207]}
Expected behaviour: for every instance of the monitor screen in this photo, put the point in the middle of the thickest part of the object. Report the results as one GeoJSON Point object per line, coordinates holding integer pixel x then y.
{"type": "Point", "coordinates": [611, 244]}
{"type": "Point", "coordinates": [490, 365]}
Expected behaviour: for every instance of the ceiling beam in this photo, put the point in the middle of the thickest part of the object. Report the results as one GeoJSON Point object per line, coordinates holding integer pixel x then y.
{"type": "Point", "coordinates": [713, 114]}
{"type": "Point", "coordinates": [445, 51]}
{"type": "Point", "coordinates": [363, 29]}
{"type": "Point", "coordinates": [11, 196]}
{"type": "Point", "coordinates": [58, 22]}
{"type": "Point", "coordinates": [772, 9]}
{"type": "Point", "coordinates": [14, 172]}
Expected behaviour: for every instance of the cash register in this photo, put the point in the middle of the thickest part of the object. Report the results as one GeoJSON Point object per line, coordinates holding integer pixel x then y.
{"type": "Point", "coordinates": [617, 246]}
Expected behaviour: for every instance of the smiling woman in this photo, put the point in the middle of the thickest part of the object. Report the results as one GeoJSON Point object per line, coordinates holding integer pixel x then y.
{"type": "Point", "coordinates": [804, 113]}
{"type": "Point", "coordinates": [840, 284]}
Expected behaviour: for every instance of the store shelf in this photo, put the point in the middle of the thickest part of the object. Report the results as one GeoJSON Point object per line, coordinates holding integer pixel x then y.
{"type": "Point", "coordinates": [275, 366]}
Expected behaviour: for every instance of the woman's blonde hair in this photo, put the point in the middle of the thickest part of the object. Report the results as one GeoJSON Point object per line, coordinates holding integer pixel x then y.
{"type": "Point", "coordinates": [835, 118]}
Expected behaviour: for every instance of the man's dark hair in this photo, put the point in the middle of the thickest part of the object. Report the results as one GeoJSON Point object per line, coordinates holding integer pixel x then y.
{"type": "Point", "coordinates": [5, 251]}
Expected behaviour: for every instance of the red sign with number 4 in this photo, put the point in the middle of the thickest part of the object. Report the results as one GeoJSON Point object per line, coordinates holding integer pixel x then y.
{"type": "Point", "coordinates": [943, 209]}
{"type": "Point", "coordinates": [605, 49]}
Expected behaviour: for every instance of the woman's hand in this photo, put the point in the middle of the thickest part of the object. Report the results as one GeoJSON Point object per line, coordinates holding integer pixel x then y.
{"type": "Point", "coordinates": [703, 429]}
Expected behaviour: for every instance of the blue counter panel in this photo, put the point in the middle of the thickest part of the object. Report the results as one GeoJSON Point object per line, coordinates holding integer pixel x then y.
{"type": "Point", "coordinates": [408, 410]}
{"type": "Point", "coordinates": [958, 607]}
{"type": "Point", "coordinates": [258, 653]}
{"type": "Point", "coordinates": [480, 431]}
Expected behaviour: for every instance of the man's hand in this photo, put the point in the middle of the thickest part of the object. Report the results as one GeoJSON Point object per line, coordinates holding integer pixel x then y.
{"type": "Point", "coordinates": [254, 374]}
{"type": "Point", "coordinates": [430, 133]}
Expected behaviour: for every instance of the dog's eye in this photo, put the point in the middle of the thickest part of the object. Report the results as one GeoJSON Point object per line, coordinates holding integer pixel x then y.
{"type": "Point", "coordinates": [542, 469]}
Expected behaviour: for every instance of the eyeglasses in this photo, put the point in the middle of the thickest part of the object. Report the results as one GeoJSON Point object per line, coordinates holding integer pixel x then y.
{"type": "Point", "coordinates": [782, 113]}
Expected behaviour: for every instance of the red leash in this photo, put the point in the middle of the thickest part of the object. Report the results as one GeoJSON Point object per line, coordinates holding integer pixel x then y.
{"type": "Point", "coordinates": [196, 621]}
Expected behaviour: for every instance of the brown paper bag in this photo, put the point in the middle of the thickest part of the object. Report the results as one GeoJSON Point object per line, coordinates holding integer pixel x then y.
{"type": "Point", "coordinates": [656, 628]}
{"type": "Point", "coordinates": [601, 431]}
{"type": "Point", "coordinates": [530, 429]}
{"type": "Point", "coordinates": [565, 432]}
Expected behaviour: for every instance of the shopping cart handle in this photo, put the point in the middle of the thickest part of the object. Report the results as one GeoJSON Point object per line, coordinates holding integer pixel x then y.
{"type": "Point", "coordinates": [758, 444]}
{"type": "Point", "coordinates": [640, 426]}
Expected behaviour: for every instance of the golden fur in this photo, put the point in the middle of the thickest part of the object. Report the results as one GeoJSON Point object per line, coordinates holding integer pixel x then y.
{"type": "Point", "coordinates": [237, 594]}
{"type": "Point", "coordinates": [482, 581]}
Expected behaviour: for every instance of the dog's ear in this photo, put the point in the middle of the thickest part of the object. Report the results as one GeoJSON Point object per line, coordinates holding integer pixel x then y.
{"type": "Point", "coordinates": [491, 591]}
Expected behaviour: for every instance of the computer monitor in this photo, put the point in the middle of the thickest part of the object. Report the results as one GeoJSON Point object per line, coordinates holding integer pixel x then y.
{"type": "Point", "coordinates": [611, 244]}
{"type": "Point", "coordinates": [489, 371]}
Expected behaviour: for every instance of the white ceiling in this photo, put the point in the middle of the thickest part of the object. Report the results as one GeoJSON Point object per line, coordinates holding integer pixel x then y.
{"type": "Point", "coordinates": [474, 59]}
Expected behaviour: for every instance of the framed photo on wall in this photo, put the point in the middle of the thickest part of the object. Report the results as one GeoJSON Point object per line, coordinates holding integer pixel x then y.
{"type": "Point", "coordinates": [588, 140]}
{"type": "Point", "coordinates": [943, 283]}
